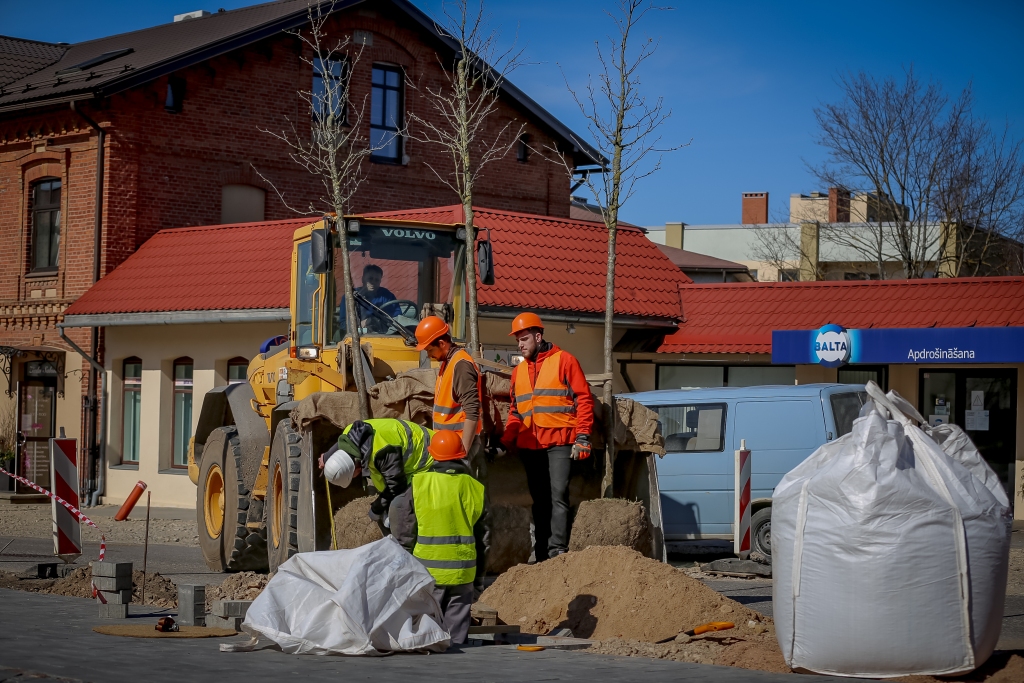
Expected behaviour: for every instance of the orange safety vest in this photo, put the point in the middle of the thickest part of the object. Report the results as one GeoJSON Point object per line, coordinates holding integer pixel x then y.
{"type": "Point", "coordinates": [549, 403]}
{"type": "Point", "coordinates": [448, 412]}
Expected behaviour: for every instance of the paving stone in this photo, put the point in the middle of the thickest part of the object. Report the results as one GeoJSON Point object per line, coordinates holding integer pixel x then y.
{"type": "Point", "coordinates": [112, 569]}
{"type": "Point", "coordinates": [109, 611]}
{"type": "Point", "coordinates": [733, 565]}
{"type": "Point", "coordinates": [112, 583]}
{"type": "Point", "coordinates": [231, 608]}
{"type": "Point", "coordinates": [114, 597]}
{"type": "Point", "coordinates": [191, 605]}
{"type": "Point", "coordinates": [213, 621]}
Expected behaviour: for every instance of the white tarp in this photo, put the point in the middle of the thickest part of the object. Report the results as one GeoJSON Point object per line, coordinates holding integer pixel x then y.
{"type": "Point", "coordinates": [369, 600]}
{"type": "Point", "coordinates": [889, 554]}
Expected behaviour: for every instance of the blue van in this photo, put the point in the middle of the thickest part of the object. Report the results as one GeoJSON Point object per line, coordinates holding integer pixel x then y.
{"type": "Point", "coordinates": [782, 425]}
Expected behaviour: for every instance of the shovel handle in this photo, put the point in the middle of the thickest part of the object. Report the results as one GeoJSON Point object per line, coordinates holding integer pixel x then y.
{"type": "Point", "coordinates": [712, 626]}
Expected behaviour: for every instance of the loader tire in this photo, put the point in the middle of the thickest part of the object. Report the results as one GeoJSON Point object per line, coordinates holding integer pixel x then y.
{"type": "Point", "coordinates": [244, 549]}
{"type": "Point", "coordinates": [288, 503]}
{"type": "Point", "coordinates": [210, 500]}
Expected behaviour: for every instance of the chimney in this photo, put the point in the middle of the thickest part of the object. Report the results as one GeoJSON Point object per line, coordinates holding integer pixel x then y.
{"type": "Point", "coordinates": [755, 208]}
{"type": "Point", "coordinates": [838, 205]}
{"type": "Point", "coordinates": [197, 14]}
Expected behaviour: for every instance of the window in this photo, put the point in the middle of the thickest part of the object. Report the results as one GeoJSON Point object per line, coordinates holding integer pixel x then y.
{"type": "Point", "coordinates": [846, 409]}
{"type": "Point", "coordinates": [45, 224]}
{"type": "Point", "coordinates": [237, 368]}
{"type": "Point", "coordinates": [789, 275]}
{"type": "Point", "coordinates": [386, 116]}
{"type": "Point", "coordinates": [131, 397]}
{"type": "Point", "coordinates": [523, 150]}
{"type": "Point", "coordinates": [175, 100]}
{"type": "Point", "coordinates": [693, 427]}
{"type": "Point", "coordinates": [703, 376]}
{"type": "Point", "coordinates": [329, 88]}
{"type": "Point", "coordinates": [759, 375]}
{"type": "Point", "coordinates": [182, 424]}
{"type": "Point", "coordinates": [861, 374]}
{"type": "Point", "coordinates": [241, 204]}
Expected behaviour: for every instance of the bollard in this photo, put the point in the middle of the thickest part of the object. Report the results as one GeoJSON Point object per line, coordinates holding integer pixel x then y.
{"type": "Point", "coordinates": [132, 499]}
{"type": "Point", "coordinates": [741, 525]}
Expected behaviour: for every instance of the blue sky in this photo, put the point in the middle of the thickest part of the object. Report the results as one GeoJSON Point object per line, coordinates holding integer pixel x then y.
{"type": "Point", "coordinates": [741, 78]}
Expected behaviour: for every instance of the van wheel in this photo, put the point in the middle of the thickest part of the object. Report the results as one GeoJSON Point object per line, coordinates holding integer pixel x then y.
{"type": "Point", "coordinates": [761, 532]}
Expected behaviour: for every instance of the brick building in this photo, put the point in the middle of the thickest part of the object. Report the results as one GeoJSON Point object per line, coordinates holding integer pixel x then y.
{"type": "Point", "coordinates": [106, 142]}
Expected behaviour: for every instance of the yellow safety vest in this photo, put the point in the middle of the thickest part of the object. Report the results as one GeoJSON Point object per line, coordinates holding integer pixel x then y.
{"type": "Point", "coordinates": [412, 438]}
{"type": "Point", "coordinates": [448, 505]}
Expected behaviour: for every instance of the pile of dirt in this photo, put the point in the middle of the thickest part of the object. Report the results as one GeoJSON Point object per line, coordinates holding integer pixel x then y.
{"type": "Point", "coordinates": [353, 526]}
{"type": "Point", "coordinates": [510, 537]}
{"type": "Point", "coordinates": [759, 652]}
{"type": "Point", "coordinates": [611, 521]}
{"type": "Point", "coordinates": [611, 592]}
{"type": "Point", "coordinates": [240, 586]}
{"type": "Point", "coordinates": [160, 591]}
{"type": "Point", "coordinates": [17, 583]}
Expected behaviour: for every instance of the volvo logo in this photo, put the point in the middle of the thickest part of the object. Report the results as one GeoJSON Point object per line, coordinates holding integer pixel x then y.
{"type": "Point", "coordinates": [832, 346]}
{"type": "Point", "coordinates": [409, 234]}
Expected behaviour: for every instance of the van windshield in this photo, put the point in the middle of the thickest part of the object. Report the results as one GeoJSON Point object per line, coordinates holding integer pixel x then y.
{"type": "Point", "coordinates": [846, 409]}
{"type": "Point", "coordinates": [395, 271]}
{"type": "Point", "coordinates": [699, 427]}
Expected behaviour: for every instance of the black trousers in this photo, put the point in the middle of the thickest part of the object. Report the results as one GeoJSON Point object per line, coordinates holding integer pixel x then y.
{"type": "Point", "coordinates": [456, 604]}
{"type": "Point", "coordinates": [547, 475]}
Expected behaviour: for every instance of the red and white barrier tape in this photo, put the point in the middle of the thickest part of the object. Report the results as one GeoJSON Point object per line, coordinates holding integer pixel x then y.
{"type": "Point", "coordinates": [75, 511]}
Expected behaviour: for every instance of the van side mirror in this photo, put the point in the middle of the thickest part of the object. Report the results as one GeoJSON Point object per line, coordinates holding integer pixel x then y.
{"type": "Point", "coordinates": [485, 260]}
{"type": "Point", "coordinates": [320, 248]}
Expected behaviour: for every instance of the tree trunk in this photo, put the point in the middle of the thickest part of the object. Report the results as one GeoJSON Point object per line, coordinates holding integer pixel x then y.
{"type": "Point", "coordinates": [608, 398]}
{"type": "Point", "coordinates": [473, 331]}
{"type": "Point", "coordinates": [352, 323]}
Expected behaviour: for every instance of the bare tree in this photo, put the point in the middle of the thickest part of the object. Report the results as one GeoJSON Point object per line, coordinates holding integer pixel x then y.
{"type": "Point", "coordinates": [463, 105]}
{"type": "Point", "coordinates": [622, 125]}
{"type": "Point", "coordinates": [332, 146]}
{"type": "Point", "coordinates": [938, 187]}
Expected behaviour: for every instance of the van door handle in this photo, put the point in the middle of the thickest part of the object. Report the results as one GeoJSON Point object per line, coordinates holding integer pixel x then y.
{"type": "Point", "coordinates": [828, 436]}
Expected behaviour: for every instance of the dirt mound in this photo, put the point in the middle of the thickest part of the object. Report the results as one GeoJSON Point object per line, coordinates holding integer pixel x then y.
{"type": "Point", "coordinates": [15, 582]}
{"type": "Point", "coordinates": [611, 521]}
{"type": "Point", "coordinates": [353, 526]}
{"type": "Point", "coordinates": [611, 592]}
{"type": "Point", "coordinates": [241, 586]}
{"type": "Point", "coordinates": [752, 651]}
{"type": "Point", "coordinates": [160, 591]}
{"type": "Point", "coordinates": [1001, 667]}
{"type": "Point", "coordinates": [510, 537]}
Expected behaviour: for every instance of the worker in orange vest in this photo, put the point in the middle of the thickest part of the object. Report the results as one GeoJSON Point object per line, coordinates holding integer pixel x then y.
{"type": "Point", "coordinates": [549, 425]}
{"type": "Point", "coordinates": [458, 400]}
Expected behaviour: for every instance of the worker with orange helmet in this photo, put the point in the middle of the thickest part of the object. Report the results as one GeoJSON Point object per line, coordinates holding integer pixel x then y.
{"type": "Point", "coordinates": [549, 425]}
{"type": "Point", "coordinates": [442, 520]}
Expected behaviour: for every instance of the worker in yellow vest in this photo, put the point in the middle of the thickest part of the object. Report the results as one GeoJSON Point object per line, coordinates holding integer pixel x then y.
{"type": "Point", "coordinates": [549, 425]}
{"type": "Point", "coordinates": [442, 520]}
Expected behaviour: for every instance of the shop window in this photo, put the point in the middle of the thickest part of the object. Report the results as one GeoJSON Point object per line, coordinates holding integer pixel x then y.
{"type": "Point", "coordinates": [704, 376]}
{"type": "Point", "coordinates": [236, 370]}
{"type": "Point", "coordinates": [45, 224]}
{"type": "Point", "coordinates": [386, 114]}
{"type": "Point", "coordinates": [131, 398]}
{"type": "Point", "coordinates": [242, 204]}
{"type": "Point", "coordinates": [757, 375]}
{"type": "Point", "coordinates": [328, 92]}
{"type": "Point", "coordinates": [862, 374]}
{"type": "Point", "coordinates": [182, 420]}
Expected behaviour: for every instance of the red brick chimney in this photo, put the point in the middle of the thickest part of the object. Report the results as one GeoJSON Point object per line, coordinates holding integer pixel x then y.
{"type": "Point", "coordinates": [755, 208]}
{"type": "Point", "coordinates": [838, 205]}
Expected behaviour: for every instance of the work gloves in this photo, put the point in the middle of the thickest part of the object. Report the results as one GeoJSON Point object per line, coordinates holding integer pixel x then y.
{"type": "Point", "coordinates": [581, 449]}
{"type": "Point", "coordinates": [378, 508]}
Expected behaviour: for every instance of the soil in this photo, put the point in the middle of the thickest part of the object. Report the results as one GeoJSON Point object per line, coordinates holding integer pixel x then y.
{"type": "Point", "coordinates": [14, 582]}
{"type": "Point", "coordinates": [34, 521]}
{"type": "Point", "coordinates": [611, 592]}
{"type": "Point", "coordinates": [1015, 580]}
{"type": "Point", "coordinates": [757, 652]}
{"type": "Point", "coordinates": [510, 537]}
{"type": "Point", "coordinates": [160, 591]}
{"type": "Point", "coordinates": [1001, 667]}
{"type": "Point", "coordinates": [241, 586]}
{"type": "Point", "coordinates": [611, 521]}
{"type": "Point", "coordinates": [353, 526]}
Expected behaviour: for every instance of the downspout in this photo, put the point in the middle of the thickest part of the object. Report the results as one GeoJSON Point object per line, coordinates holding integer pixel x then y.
{"type": "Point", "coordinates": [97, 457]}
{"type": "Point", "coordinates": [97, 370]}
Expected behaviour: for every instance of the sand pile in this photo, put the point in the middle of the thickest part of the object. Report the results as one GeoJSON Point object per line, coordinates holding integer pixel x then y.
{"type": "Point", "coordinates": [611, 521]}
{"type": "Point", "coordinates": [747, 650]}
{"type": "Point", "coordinates": [1001, 667]}
{"type": "Point", "coordinates": [610, 592]}
{"type": "Point", "coordinates": [353, 526]}
{"type": "Point", "coordinates": [240, 586]}
{"type": "Point", "coordinates": [510, 537]}
{"type": "Point", "coordinates": [160, 591]}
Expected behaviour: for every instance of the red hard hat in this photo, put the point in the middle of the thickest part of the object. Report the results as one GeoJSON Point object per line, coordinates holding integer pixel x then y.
{"type": "Point", "coordinates": [446, 445]}
{"type": "Point", "coordinates": [525, 321]}
{"type": "Point", "coordinates": [430, 330]}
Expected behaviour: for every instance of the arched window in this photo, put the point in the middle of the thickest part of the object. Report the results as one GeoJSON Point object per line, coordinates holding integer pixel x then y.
{"type": "Point", "coordinates": [237, 367]}
{"type": "Point", "coordinates": [182, 420]}
{"type": "Point", "coordinates": [45, 198]}
{"type": "Point", "coordinates": [131, 397]}
{"type": "Point", "coordinates": [241, 204]}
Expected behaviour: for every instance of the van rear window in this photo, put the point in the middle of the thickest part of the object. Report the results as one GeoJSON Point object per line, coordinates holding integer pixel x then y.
{"type": "Point", "coordinates": [845, 409]}
{"type": "Point", "coordinates": [699, 427]}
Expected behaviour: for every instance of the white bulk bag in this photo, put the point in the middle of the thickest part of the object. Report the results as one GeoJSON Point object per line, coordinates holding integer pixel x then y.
{"type": "Point", "coordinates": [372, 599]}
{"type": "Point", "coordinates": [889, 555]}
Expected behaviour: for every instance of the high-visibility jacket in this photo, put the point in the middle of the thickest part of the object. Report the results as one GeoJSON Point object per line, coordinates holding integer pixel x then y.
{"type": "Point", "coordinates": [548, 402]}
{"type": "Point", "coordinates": [448, 505]}
{"type": "Point", "coordinates": [448, 412]}
{"type": "Point", "coordinates": [410, 437]}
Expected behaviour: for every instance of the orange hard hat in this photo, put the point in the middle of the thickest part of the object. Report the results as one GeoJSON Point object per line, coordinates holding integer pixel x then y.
{"type": "Point", "coordinates": [525, 321]}
{"type": "Point", "coordinates": [446, 445]}
{"type": "Point", "coordinates": [429, 331]}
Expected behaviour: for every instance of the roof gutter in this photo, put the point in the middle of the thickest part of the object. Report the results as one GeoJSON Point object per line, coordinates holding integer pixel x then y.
{"type": "Point", "coordinates": [255, 315]}
{"type": "Point", "coordinates": [587, 318]}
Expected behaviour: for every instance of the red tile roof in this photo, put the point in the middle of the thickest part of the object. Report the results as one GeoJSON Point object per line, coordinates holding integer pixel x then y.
{"type": "Point", "coordinates": [740, 317]}
{"type": "Point", "coordinates": [559, 264]}
{"type": "Point", "coordinates": [541, 262]}
{"type": "Point", "coordinates": [216, 267]}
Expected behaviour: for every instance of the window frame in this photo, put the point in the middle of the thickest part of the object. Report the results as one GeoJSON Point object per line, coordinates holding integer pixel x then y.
{"type": "Point", "coordinates": [134, 387]}
{"type": "Point", "coordinates": [34, 214]}
{"type": "Point", "coordinates": [725, 371]}
{"type": "Point", "coordinates": [238, 362]}
{"type": "Point", "coordinates": [400, 119]}
{"type": "Point", "coordinates": [184, 389]}
{"type": "Point", "coordinates": [318, 73]}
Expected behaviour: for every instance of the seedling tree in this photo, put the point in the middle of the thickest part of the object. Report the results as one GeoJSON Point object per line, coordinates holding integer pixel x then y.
{"type": "Point", "coordinates": [461, 107]}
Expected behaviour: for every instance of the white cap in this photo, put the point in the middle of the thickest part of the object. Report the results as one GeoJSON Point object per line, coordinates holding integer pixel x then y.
{"type": "Point", "coordinates": [340, 469]}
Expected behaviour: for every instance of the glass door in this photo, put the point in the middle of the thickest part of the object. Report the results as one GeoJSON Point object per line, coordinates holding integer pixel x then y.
{"type": "Point", "coordinates": [36, 426]}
